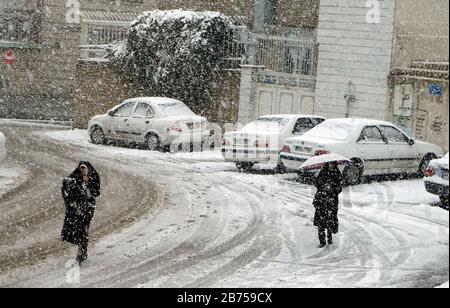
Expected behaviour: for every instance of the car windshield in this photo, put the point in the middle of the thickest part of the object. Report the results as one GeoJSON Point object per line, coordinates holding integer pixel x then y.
{"type": "Point", "coordinates": [267, 125]}
{"type": "Point", "coordinates": [331, 130]}
{"type": "Point", "coordinates": [175, 109]}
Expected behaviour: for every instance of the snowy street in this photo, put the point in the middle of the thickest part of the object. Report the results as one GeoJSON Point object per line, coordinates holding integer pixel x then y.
{"type": "Point", "coordinates": [192, 220]}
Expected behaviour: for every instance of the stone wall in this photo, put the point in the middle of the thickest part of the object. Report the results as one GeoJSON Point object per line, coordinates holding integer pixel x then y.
{"type": "Point", "coordinates": [99, 88]}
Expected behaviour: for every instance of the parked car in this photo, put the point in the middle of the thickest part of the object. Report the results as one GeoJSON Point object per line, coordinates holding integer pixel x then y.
{"type": "Point", "coordinates": [374, 147]}
{"type": "Point", "coordinates": [262, 140]}
{"type": "Point", "coordinates": [156, 122]}
{"type": "Point", "coordinates": [436, 180]}
{"type": "Point", "coordinates": [2, 147]}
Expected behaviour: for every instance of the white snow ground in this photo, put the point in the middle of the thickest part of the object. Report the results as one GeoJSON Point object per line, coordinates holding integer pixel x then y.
{"type": "Point", "coordinates": [221, 228]}
{"type": "Point", "coordinates": [10, 176]}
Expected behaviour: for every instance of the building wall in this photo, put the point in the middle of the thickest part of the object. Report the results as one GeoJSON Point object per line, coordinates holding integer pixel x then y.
{"type": "Point", "coordinates": [421, 32]}
{"type": "Point", "coordinates": [99, 88]}
{"type": "Point", "coordinates": [258, 99]}
{"type": "Point", "coordinates": [420, 59]}
{"type": "Point", "coordinates": [122, 6]}
{"type": "Point", "coordinates": [241, 8]}
{"type": "Point", "coordinates": [41, 81]}
{"type": "Point", "coordinates": [426, 116]}
{"type": "Point", "coordinates": [354, 59]}
{"type": "Point", "coordinates": [298, 13]}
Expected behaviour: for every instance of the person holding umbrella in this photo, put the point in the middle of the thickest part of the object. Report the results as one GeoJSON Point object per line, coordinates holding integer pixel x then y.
{"type": "Point", "coordinates": [326, 201]}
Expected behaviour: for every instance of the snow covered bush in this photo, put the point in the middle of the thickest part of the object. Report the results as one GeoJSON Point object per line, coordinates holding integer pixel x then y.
{"type": "Point", "coordinates": [175, 54]}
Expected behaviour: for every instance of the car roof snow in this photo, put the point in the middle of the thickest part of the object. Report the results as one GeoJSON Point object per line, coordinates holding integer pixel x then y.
{"type": "Point", "coordinates": [290, 116]}
{"type": "Point", "coordinates": [154, 100]}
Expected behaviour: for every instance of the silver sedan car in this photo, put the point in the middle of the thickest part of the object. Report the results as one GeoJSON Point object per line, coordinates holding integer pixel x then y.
{"type": "Point", "coordinates": [156, 122]}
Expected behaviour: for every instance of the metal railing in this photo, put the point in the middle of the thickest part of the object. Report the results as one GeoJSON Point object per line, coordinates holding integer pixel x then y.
{"type": "Point", "coordinates": [287, 59]}
{"type": "Point", "coordinates": [94, 53]}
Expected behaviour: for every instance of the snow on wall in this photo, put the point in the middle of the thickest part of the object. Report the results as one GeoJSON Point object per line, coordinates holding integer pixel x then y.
{"type": "Point", "coordinates": [353, 49]}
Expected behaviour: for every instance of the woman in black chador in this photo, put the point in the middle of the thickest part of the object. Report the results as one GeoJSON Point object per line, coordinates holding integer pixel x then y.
{"type": "Point", "coordinates": [80, 191]}
{"type": "Point", "coordinates": [326, 202]}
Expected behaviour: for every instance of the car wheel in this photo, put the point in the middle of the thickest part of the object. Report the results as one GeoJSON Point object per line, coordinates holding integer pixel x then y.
{"type": "Point", "coordinates": [353, 173]}
{"type": "Point", "coordinates": [245, 167]}
{"type": "Point", "coordinates": [444, 201]}
{"type": "Point", "coordinates": [281, 168]}
{"type": "Point", "coordinates": [424, 164]}
{"type": "Point", "coordinates": [97, 135]}
{"type": "Point", "coordinates": [152, 142]}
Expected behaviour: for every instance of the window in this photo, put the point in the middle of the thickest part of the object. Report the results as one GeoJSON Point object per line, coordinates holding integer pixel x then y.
{"type": "Point", "coordinates": [124, 111]}
{"type": "Point", "coordinates": [317, 121]}
{"type": "Point", "coordinates": [143, 110]}
{"type": "Point", "coordinates": [302, 126]}
{"type": "Point", "coordinates": [175, 109]}
{"type": "Point", "coordinates": [393, 135]}
{"type": "Point", "coordinates": [371, 134]}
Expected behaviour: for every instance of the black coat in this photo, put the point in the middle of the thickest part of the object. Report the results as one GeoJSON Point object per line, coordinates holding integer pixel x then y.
{"type": "Point", "coordinates": [326, 201]}
{"type": "Point", "coordinates": [80, 201]}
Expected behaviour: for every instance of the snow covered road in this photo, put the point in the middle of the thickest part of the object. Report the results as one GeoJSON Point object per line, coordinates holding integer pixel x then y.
{"type": "Point", "coordinates": [205, 225]}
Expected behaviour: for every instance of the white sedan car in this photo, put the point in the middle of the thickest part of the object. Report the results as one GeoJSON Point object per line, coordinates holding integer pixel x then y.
{"type": "Point", "coordinates": [375, 148]}
{"type": "Point", "coordinates": [158, 123]}
{"type": "Point", "coordinates": [2, 147]}
{"type": "Point", "coordinates": [261, 140]}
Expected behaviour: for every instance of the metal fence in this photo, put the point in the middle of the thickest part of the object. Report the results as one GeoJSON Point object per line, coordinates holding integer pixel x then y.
{"type": "Point", "coordinates": [286, 58]}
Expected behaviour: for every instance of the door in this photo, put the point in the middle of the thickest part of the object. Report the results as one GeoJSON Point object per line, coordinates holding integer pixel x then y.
{"type": "Point", "coordinates": [120, 120]}
{"type": "Point", "coordinates": [402, 153]}
{"type": "Point", "coordinates": [141, 121]}
{"type": "Point", "coordinates": [373, 149]}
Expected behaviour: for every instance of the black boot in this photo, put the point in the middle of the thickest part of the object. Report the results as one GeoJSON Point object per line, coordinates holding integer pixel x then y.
{"type": "Point", "coordinates": [330, 237]}
{"type": "Point", "coordinates": [322, 237]}
{"type": "Point", "coordinates": [82, 254]}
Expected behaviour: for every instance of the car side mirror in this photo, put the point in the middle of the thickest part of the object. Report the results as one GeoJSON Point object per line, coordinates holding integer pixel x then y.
{"type": "Point", "coordinates": [412, 142]}
{"type": "Point", "coordinates": [111, 113]}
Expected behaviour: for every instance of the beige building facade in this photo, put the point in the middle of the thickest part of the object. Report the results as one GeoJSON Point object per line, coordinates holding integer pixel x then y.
{"type": "Point", "coordinates": [418, 97]}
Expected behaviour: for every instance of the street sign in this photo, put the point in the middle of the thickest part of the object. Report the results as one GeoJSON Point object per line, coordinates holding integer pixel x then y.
{"type": "Point", "coordinates": [10, 57]}
{"type": "Point", "coordinates": [436, 90]}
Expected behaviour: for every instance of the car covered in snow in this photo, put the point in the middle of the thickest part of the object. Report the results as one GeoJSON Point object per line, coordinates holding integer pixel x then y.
{"type": "Point", "coordinates": [436, 180]}
{"type": "Point", "coordinates": [261, 140]}
{"type": "Point", "coordinates": [156, 122]}
{"type": "Point", "coordinates": [374, 147]}
{"type": "Point", "coordinates": [2, 147]}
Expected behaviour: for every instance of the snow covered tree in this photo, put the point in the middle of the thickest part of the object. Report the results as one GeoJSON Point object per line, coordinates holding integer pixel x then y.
{"type": "Point", "coordinates": [175, 54]}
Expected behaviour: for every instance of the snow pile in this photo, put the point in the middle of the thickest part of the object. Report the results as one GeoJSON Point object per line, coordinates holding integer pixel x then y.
{"type": "Point", "coordinates": [2, 147]}
{"type": "Point", "coordinates": [444, 286]}
{"type": "Point", "coordinates": [174, 53]}
{"type": "Point", "coordinates": [443, 162]}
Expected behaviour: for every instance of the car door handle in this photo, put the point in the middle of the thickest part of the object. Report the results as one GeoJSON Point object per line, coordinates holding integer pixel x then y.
{"type": "Point", "coordinates": [126, 120]}
{"type": "Point", "coordinates": [147, 122]}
